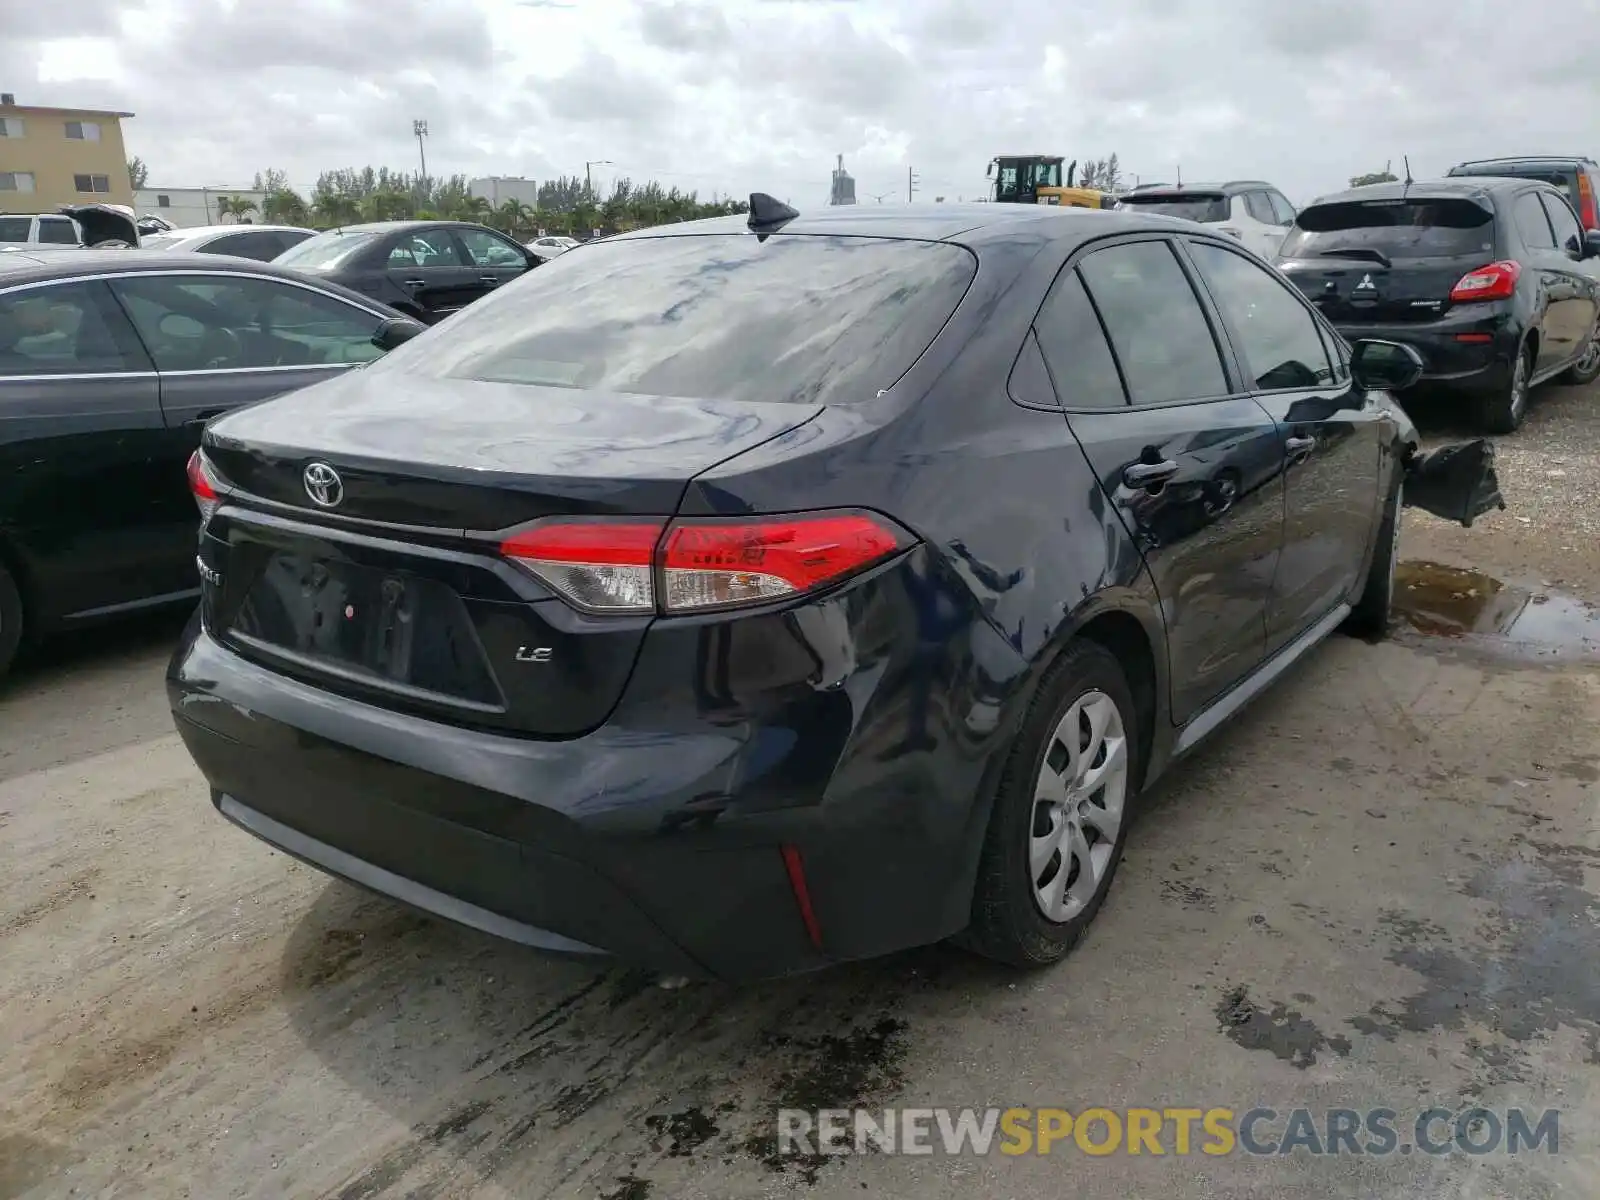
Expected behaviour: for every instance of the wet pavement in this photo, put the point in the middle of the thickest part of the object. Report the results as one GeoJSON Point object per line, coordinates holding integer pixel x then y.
{"type": "Point", "coordinates": [1476, 611]}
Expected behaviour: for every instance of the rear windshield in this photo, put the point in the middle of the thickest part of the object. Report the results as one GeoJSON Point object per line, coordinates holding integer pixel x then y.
{"type": "Point", "coordinates": [1414, 228]}
{"type": "Point", "coordinates": [797, 319]}
{"type": "Point", "coordinates": [326, 249]}
{"type": "Point", "coordinates": [159, 241]}
{"type": "Point", "coordinates": [1208, 207]}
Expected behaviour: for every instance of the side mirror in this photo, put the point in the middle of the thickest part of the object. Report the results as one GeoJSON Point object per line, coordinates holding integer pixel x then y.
{"type": "Point", "coordinates": [1384, 366]}
{"type": "Point", "coordinates": [396, 331]}
{"type": "Point", "coordinates": [1591, 243]}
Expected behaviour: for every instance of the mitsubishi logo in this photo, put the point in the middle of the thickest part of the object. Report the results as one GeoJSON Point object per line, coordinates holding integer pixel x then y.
{"type": "Point", "coordinates": [1366, 284]}
{"type": "Point", "coordinates": [323, 485]}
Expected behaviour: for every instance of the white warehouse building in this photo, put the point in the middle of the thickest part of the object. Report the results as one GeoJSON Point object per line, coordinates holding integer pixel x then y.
{"type": "Point", "coordinates": [192, 207]}
{"type": "Point", "coordinates": [497, 189]}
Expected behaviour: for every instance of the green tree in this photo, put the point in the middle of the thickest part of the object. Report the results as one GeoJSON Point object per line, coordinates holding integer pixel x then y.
{"type": "Point", "coordinates": [138, 173]}
{"type": "Point", "coordinates": [237, 207]}
{"type": "Point", "coordinates": [514, 217]}
{"type": "Point", "coordinates": [336, 208]}
{"type": "Point", "coordinates": [285, 206]}
{"type": "Point", "coordinates": [1372, 177]}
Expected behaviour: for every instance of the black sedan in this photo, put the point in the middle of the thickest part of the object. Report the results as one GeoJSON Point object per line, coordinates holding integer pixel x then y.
{"type": "Point", "coordinates": [738, 599]}
{"type": "Point", "coordinates": [1493, 281]}
{"type": "Point", "coordinates": [425, 269]}
{"type": "Point", "coordinates": [110, 364]}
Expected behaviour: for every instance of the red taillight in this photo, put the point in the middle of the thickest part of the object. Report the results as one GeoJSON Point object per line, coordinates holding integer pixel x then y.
{"type": "Point", "coordinates": [203, 486]}
{"type": "Point", "coordinates": [1497, 281]}
{"type": "Point", "coordinates": [692, 565]}
{"type": "Point", "coordinates": [1586, 204]}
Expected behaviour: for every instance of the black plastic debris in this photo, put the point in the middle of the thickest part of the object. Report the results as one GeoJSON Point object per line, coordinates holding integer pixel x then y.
{"type": "Point", "coordinates": [1455, 482]}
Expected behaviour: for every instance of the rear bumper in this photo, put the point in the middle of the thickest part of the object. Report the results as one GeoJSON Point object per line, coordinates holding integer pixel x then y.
{"type": "Point", "coordinates": [659, 839]}
{"type": "Point", "coordinates": [1473, 365]}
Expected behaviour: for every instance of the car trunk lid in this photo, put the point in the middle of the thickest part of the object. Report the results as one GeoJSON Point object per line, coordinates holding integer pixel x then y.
{"type": "Point", "coordinates": [1387, 260]}
{"type": "Point", "coordinates": [390, 586]}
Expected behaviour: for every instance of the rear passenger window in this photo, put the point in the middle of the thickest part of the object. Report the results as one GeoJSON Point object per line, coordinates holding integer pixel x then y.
{"type": "Point", "coordinates": [57, 231]}
{"type": "Point", "coordinates": [1075, 350]}
{"type": "Point", "coordinates": [1569, 234]}
{"type": "Point", "coordinates": [1162, 339]}
{"type": "Point", "coordinates": [1532, 224]}
{"type": "Point", "coordinates": [1281, 344]}
{"type": "Point", "coordinates": [1259, 207]}
{"type": "Point", "coordinates": [66, 329]}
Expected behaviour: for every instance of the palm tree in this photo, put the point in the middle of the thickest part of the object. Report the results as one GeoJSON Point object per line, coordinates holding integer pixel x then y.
{"type": "Point", "coordinates": [284, 207]}
{"type": "Point", "coordinates": [237, 207]}
{"type": "Point", "coordinates": [514, 216]}
{"type": "Point", "coordinates": [336, 208]}
{"type": "Point", "coordinates": [473, 208]}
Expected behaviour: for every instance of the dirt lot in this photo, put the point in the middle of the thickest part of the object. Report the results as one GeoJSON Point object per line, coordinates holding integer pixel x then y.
{"type": "Point", "coordinates": [1378, 889]}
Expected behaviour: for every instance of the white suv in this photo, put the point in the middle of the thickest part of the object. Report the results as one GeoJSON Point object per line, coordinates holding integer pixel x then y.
{"type": "Point", "coordinates": [1254, 212]}
{"type": "Point", "coordinates": [38, 229]}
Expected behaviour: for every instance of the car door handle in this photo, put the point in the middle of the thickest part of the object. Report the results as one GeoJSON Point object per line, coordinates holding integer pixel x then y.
{"type": "Point", "coordinates": [1147, 475]}
{"type": "Point", "coordinates": [491, 280]}
{"type": "Point", "coordinates": [1300, 445]}
{"type": "Point", "coordinates": [414, 282]}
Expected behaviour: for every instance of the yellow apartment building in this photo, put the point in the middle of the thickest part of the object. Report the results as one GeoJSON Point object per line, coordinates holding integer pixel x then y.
{"type": "Point", "coordinates": [55, 156]}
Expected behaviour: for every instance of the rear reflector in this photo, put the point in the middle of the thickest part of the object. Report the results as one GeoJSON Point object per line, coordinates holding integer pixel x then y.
{"type": "Point", "coordinates": [631, 565]}
{"type": "Point", "coordinates": [203, 486]}
{"type": "Point", "coordinates": [1475, 339]}
{"type": "Point", "coordinates": [1497, 281]}
{"type": "Point", "coordinates": [1586, 202]}
{"type": "Point", "coordinates": [796, 868]}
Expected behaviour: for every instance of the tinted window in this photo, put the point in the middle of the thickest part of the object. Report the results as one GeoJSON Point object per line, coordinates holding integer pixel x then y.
{"type": "Point", "coordinates": [1532, 224]}
{"type": "Point", "coordinates": [67, 329]}
{"type": "Point", "coordinates": [1281, 344]}
{"type": "Point", "coordinates": [490, 250]}
{"type": "Point", "coordinates": [327, 250]}
{"type": "Point", "coordinates": [1075, 349]}
{"type": "Point", "coordinates": [15, 229]}
{"type": "Point", "coordinates": [1393, 228]}
{"type": "Point", "coordinates": [806, 320]}
{"type": "Point", "coordinates": [1569, 234]}
{"type": "Point", "coordinates": [57, 231]}
{"type": "Point", "coordinates": [1259, 207]}
{"type": "Point", "coordinates": [1281, 208]}
{"type": "Point", "coordinates": [1191, 206]}
{"type": "Point", "coordinates": [431, 248]}
{"type": "Point", "coordinates": [1565, 178]}
{"type": "Point", "coordinates": [257, 245]}
{"type": "Point", "coordinates": [1162, 338]}
{"type": "Point", "coordinates": [219, 322]}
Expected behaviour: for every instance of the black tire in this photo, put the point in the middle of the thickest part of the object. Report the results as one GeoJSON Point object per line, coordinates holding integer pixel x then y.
{"type": "Point", "coordinates": [1587, 369]}
{"type": "Point", "coordinates": [10, 620]}
{"type": "Point", "coordinates": [1370, 617]}
{"type": "Point", "coordinates": [1502, 411]}
{"type": "Point", "coordinates": [1008, 924]}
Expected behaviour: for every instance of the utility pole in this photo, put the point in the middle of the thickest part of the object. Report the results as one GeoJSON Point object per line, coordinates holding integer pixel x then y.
{"type": "Point", "coordinates": [419, 130]}
{"type": "Point", "coordinates": [911, 184]}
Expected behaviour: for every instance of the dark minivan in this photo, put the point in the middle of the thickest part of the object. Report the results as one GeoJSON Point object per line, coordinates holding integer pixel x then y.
{"type": "Point", "coordinates": [1493, 281]}
{"type": "Point", "coordinates": [1577, 176]}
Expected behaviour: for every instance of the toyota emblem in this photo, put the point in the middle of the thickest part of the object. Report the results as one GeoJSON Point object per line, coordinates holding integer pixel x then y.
{"type": "Point", "coordinates": [323, 485]}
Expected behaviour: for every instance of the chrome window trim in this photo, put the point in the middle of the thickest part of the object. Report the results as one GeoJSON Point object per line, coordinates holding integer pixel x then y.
{"type": "Point", "coordinates": [159, 272]}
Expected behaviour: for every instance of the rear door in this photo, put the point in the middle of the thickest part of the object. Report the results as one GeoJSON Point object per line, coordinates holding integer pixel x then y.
{"type": "Point", "coordinates": [496, 259]}
{"type": "Point", "coordinates": [1331, 436]}
{"type": "Point", "coordinates": [221, 341]}
{"type": "Point", "coordinates": [1266, 233]}
{"type": "Point", "coordinates": [80, 452]}
{"type": "Point", "coordinates": [1581, 272]}
{"type": "Point", "coordinates": [1388, 261]}
{"type": "Point", "coordinates": [429, 266]}
{"type": "Point", "coordinates": [1560, 291]}
{"type": "Point", "coordinates": [1191, 464]}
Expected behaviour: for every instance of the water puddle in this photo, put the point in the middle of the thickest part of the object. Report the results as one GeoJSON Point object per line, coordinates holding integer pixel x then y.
{"type": "Point", "coordinates": [1479, 610]}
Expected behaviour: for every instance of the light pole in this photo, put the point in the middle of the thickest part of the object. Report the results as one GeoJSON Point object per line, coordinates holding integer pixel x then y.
{"type": "Point", "coordinates": [588, 179]}
{"type": "Point", "coordinates": [419, 130]}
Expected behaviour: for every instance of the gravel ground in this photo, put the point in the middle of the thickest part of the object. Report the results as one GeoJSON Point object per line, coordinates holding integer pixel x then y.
{"type": "Point", "coordinates": [1377, 889]}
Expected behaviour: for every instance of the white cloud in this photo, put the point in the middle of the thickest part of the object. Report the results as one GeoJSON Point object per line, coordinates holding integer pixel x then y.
{"type": "Point", "coordinates": [761, 94]}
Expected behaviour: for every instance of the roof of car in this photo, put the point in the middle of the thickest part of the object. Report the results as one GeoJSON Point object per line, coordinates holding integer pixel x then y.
{"type": "Point", "coordinates": [964, 223]}
{"type": "Point", "coordinates": [391, 226]}
{"type": "Point", "coordinates": [36, 264]}
{"type": "Point", "coordinates": [1226, 187]}
{"type": "Point", "coordinates": [1466, 186]}
{"type": "Point", "coordinates": [199, 231]}
{"type": "Point", "coordinates": [1525, 158]}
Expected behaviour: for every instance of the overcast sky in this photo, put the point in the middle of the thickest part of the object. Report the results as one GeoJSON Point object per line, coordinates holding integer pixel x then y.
{"type": "Point", "coordinates": [740, 95]}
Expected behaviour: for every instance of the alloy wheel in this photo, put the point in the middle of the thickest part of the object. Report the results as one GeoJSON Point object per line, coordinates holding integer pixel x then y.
{"type": "Point", "coordinates": [1079, 806]}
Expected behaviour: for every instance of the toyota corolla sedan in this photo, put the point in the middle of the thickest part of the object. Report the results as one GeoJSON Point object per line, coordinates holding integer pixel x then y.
{"type": "Point", "coordinates": [740, 597]}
